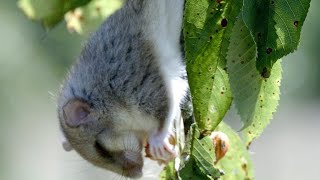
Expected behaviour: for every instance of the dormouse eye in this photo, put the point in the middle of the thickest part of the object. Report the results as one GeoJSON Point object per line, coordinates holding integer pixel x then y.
{"type": "Point", "coordinates": [76, 112]}
{"type": "Point", "coordinates": [102, 151]}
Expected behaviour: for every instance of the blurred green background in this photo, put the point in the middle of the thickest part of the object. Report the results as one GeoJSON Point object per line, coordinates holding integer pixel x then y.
{"type": "Point", "coordinates": [33, 62]}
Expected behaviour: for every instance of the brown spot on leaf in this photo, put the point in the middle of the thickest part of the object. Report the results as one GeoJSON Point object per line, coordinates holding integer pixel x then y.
{"type": "Point", "coordinates": [204, 133]}
{"type": "Point", "coordinates": [296, 23]}
{"type": "Point", "coordinates": [265, 73]}
{"type": "Point", "coordinates": [259, 35]}
{"type": "Point", "coordinates": [248, 146]}
{"type": "Point", "coordinates": [224, 22]}
{"type": "Point", "coordinates": [269, 50]}
{"type": "Point", "coordinates": [244, 167]}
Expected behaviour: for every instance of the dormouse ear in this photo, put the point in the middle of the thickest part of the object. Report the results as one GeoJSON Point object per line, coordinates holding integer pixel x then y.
{"type": "Point", "coordinates": [76, 112]}
{"type": "Point", "coordinates": [67, 146]}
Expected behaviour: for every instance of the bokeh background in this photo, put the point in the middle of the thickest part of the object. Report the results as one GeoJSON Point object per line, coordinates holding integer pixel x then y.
{"type": "Point", "coordinates": [33, 62]}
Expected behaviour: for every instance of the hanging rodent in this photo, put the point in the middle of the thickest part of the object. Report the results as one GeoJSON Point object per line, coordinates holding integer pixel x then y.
{"type": "Point", "coordinates": [125, 90]}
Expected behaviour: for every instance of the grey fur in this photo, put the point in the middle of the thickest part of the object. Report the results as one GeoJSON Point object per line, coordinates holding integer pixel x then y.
{"type": "Point", "coordinates": [118, 61]}
{"type": "Point", "coordinates": [117, 69]}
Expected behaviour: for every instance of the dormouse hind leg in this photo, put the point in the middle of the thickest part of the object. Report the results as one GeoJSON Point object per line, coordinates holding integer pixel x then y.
{"type": "Point", "coordinates": [159, 143]}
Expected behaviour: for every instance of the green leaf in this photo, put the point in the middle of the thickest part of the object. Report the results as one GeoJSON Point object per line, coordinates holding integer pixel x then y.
{"type": "Point", "coordinates": [207, 27]}
{"type": "Point", "coordinates": [201, 162]}
{"type": "Point", "coordinates": [191, 171]}
{"type": "Point", "coordinates": [203, 152]}
{"type": "Point", "coordinates": [168, 173]}
{"type": "Point", "coordinates": [50, 12]}
{"type": "Point", "coordinates": [86, 19]}
{"type": "Point", "coordinates": [275, 26]}
{"type": "Point", "coordinates": [256, 98]}
{"type": "Point", "coordinates": [236, 164]}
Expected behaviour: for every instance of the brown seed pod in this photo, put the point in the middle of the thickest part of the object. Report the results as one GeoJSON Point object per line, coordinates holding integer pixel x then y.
{"type": "Point", "coordinates": [221, 144]}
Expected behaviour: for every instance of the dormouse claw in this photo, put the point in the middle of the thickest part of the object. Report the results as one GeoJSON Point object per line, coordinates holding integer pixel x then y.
{"type": "Point", "coordinates": [162, 148]}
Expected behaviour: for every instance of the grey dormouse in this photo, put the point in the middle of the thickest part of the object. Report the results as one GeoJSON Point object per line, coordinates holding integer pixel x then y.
{"type": "Point", "coordinates": [126, 88]}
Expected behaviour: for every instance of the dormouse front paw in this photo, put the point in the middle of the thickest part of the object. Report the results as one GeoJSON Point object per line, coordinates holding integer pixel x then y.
{"type": "Point", "coordinates": [162, 147]}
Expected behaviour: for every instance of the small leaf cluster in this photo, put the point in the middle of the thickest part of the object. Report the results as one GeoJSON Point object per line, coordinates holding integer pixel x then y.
{"type": "Point", "coordinates": [233, 50]}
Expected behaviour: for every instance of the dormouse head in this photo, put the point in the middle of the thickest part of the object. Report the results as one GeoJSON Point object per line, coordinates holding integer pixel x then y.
{"type": "Point", "coordinates": [105, 106]}
{"type": "Point", "coordinates": [100, 128]}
